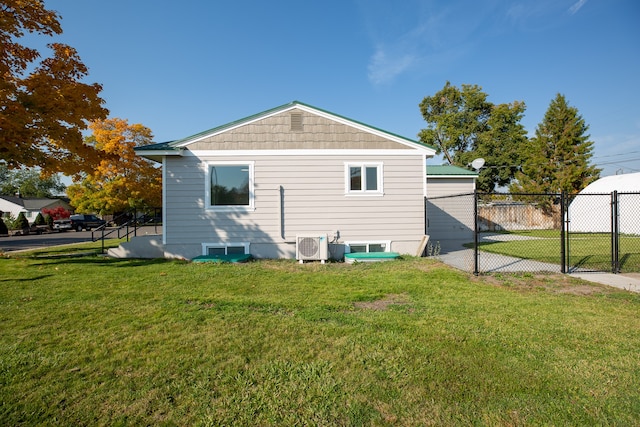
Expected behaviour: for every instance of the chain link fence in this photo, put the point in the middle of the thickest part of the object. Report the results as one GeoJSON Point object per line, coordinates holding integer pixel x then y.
{"type": "Point", "coordinates": [517, 232]}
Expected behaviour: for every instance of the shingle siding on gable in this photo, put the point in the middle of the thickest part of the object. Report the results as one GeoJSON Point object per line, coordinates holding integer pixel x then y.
{"type": "Point", "coordinates": [274, 133]}
{"type": "Point", "coordinates": [314, 201]}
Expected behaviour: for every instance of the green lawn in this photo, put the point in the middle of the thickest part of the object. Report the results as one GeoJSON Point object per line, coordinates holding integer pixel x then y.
{"type": "Point", "coordinates": [86, 340]}
{"type": "Point", "coordinates": [587, 250]}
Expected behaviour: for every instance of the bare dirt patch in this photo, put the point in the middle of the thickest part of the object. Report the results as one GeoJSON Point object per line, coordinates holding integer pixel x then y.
{"type": "Point", "coordinates": [383, 303]}
{"type": "Point", "coordinates": [550, 282]}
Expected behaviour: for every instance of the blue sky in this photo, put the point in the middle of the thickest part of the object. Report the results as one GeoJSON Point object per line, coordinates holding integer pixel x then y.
{"type": "Point", "coordinates": [183, 67]}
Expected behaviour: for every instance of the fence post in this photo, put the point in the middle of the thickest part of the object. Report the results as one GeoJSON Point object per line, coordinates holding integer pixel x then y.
{"type": "Point", "coordinates": [475, 233]}
{"type": "Point", "coordinates": [615, 234]}
{"type": "Point", "coordinates": [563, 248]}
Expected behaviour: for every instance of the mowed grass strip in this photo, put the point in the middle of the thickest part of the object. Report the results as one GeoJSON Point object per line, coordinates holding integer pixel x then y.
{"type": "Point", "coordinates": [586, 250]}
{"type": "Point", "coordinates": [91, 340]}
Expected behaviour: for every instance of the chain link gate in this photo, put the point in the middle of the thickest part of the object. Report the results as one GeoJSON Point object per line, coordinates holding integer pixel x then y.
{"type": "Point", "coordinates": [603, 232]}
{"type": "Point", "coordinates": [520, 232]}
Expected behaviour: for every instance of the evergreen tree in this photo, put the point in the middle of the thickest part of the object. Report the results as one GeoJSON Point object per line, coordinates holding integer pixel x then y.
{"type": "Point", "coordinates": [557, 158]}
{"type": "Point", "coordinates": [39, 219]}
{"type": "Point", "coordinates": [21, 221]}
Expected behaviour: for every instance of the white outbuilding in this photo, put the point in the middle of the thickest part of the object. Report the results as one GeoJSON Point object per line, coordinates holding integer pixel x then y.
{"type": "Point", "coordinates": [591, 210]}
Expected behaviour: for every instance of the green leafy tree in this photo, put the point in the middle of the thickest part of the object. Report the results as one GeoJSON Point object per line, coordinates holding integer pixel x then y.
{"type": "Point", "coordinates": [463, 125]}
{"type": "Point", "coordinates": [558, 157]}
{"type": "Point", "coordinates": [455, 118]}
{"type": "Point", "coordinates": [29, 182]}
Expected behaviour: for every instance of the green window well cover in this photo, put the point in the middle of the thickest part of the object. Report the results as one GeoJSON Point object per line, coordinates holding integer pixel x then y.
{"type": "Point", "coordinates": [223, 258]}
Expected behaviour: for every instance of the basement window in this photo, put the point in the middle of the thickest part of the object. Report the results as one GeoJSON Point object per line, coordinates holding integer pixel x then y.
{"type": "Point", "coordinates": [222, 248]}
{"type": "Point", "coordinates": [365, 247]}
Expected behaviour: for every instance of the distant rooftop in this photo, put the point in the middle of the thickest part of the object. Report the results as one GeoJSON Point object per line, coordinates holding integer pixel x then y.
{"type": "Point", "coordinates": [449, 170]}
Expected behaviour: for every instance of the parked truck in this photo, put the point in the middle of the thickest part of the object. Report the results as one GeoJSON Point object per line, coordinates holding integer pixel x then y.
{"type": "Point", "coordinates": [78, 222]}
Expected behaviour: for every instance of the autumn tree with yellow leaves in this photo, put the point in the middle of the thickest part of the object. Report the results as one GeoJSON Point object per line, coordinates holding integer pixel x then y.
{"type": "Point", "coordinates": [44, 104]}
{"type": "Point", "coordinates": [121, 180]}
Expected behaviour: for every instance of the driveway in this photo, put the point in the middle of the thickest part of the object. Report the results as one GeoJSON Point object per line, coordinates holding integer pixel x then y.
{"type": "Point", "coordinates": [35, 241]}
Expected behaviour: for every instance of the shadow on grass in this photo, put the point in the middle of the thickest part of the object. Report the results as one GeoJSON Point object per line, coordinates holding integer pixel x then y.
{"type": "Point", "coordinates": [26, 279]}
{"type": "Point", "coordinates": [102, 261]}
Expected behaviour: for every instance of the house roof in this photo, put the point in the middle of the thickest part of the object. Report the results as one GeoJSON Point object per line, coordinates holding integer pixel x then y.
{"type": "Point", "coordinates": [449, 171]}
{"type": "Point", "coordinates": [32, 204]}
{"type": "Point", "coordinates": [172, 148]}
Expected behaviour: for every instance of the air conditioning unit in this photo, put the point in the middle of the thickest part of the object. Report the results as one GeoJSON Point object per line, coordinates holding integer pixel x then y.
{"type": "Point", "coordinates": [312, 247]}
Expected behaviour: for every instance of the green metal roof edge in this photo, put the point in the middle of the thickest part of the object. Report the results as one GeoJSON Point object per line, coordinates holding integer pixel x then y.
{"type": "Point", "coordinates": [441, 170]}
{"type": "Point", "coordinates": [172, 144]}
{"type": "Point", "coordinates": [160, 146]}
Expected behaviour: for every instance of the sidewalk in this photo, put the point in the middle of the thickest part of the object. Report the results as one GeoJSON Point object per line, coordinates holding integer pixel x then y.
{"type": "Point", "coordinates": [627, 282]}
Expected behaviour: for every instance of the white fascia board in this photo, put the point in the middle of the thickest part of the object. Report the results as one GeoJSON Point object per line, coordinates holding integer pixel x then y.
{"type": "Point", "coordinates": [452, 176]}
{"type": "Point", "coordinates": [158, 153]}
{"type": "Point", "coordinates": [280, 153]}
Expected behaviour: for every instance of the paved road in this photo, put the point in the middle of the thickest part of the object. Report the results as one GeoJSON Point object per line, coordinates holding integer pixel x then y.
{"type": "Point", "coordinates": [18, 243]}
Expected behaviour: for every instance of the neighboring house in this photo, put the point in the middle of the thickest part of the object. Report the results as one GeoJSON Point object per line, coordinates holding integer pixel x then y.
{"type": "Point", "coordinates": [12, 205]}
{"type": "Point", "coordinates": [255, 185]}
{"type": "Point", "coordinates": [450, 203]}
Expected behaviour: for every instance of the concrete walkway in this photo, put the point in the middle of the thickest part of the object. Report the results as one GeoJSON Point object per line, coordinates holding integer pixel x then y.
{"type": "Point", "coordinates": [455, 255]}
{"type": "Point", "coordinates": [628, 282]}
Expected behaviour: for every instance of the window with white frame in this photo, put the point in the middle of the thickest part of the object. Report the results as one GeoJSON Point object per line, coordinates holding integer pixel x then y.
{"type": "Point", "coordinates": [372, 246]}
{"type": "Point", "coordinates": [230, 185]}
{"type": "Point", "coordinates": [224, 248]}
{"type": "Point", "coordinates": [363, 178]}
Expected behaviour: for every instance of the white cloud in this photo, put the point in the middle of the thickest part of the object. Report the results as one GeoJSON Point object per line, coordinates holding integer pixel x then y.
{"type": "Point", "coordinates": [385, 65]}
{"type": "Point", "coordinates": [577, 6]}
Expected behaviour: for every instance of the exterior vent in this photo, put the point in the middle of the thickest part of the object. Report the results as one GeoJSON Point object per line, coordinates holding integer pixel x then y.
{"type": "Point", "coordinates": [296, 122]}
{"type": "Point", "coordinates": [312, 247]}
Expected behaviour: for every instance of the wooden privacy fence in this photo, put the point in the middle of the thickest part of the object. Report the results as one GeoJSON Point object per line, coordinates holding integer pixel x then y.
{"type": "Point", "coordinates": [517, 216]}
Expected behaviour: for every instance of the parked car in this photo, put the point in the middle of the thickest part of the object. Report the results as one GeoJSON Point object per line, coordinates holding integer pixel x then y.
{"type": "Point", "coordinates": [78, 222]}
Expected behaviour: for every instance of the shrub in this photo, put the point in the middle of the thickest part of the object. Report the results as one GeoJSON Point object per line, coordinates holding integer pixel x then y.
{"type": "Point", "coordinates": [57, 213]}
{"type": "Point", "coordinates": [48, 219]}
{"type": "Point", "coordinates": [3, 227]}
{"type": "Point", "coordinates": [39, 219]}
{"type": "Point", "coordinates": [21, 221]}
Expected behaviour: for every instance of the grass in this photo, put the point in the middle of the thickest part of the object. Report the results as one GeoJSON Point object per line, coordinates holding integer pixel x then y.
{"type": "Point", "coordinates": [586, 250]}
{"type": "Point", "coordinates": [96, 341]}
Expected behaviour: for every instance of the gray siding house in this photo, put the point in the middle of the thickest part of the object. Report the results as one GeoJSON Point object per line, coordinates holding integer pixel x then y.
{"type": "Point", "coordinates": [255, 185]}
{"type": "Point", "coordinates": [450, 202]}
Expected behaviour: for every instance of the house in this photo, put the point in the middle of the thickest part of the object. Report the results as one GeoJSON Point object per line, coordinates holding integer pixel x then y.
{"type": "Point", "coordinates": [13, 205]}
{"type": "Point", "coordinates": [450, 202]}
{"type": "Point", "coordinates": [256, 185]}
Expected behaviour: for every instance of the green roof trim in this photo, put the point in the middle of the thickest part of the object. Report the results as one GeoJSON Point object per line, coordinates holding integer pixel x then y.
{"type": "Point", "coordinates": [174, 145]}
{"type": "Point", "coordinates": [449, 170]}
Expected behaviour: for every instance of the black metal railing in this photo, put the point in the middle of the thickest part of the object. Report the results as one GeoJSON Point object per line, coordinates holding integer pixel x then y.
{"type": "Point", "coordinates": [127, 225]}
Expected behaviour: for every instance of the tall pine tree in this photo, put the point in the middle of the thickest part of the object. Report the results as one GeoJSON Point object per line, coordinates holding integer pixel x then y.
{"type": "Point", "coordinates": [558, 157]}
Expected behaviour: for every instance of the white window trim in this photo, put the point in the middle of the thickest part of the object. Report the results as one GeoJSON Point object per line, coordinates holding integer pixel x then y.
{"type": "Point", "coordinates": [386, 243]}
{"type": "Point", "coordinates": [225, 245]}
{"type": "Point", "coordinates": [363, 192]}
{"type": "Point", "coordinates": [207, 195]}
